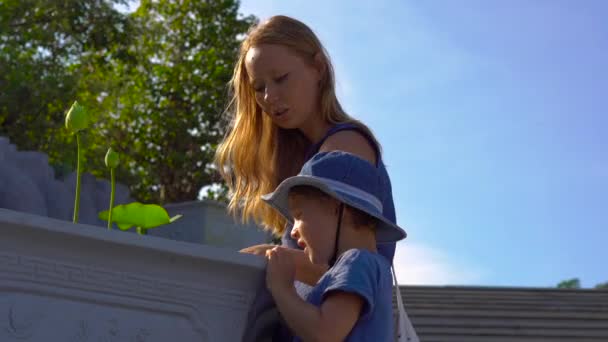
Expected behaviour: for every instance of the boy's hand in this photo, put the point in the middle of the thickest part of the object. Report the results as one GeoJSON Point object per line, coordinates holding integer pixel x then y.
{"type": "Point", "coordinates": [281, 269]}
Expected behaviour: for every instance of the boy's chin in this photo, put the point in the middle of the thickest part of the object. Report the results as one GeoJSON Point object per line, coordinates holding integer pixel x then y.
{"type": "Point", "coordinates": [315, 259]}
{"type": "Point", "coordinates": [310, 256]}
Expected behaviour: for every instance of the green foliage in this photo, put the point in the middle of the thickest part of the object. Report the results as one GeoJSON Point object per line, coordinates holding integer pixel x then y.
{"type": "Point", "coordinates": [171, 94]}
{"type": "Point", "coordinates": [42, 44]}
{"type": "Point", "coordinates": [144, 216]}
{"type": "Point", "coordinates": [602, 286]}
{"type": "Point", "coordinates": [154, 80]}
{"type": "Point", "coordinates": [573, 283]}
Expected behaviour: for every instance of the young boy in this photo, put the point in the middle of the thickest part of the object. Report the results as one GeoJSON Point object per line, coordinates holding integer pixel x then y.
{"type": "Point", "coordinates": [337, 218]}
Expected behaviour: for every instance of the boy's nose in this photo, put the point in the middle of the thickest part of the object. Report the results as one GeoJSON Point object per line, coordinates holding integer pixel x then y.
{"type": "Point", "coordinates": [295, 234]}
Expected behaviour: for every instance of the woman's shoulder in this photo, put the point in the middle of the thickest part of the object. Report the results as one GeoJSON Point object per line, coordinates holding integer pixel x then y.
{"type": "Point", "coordinates": [352, 141]}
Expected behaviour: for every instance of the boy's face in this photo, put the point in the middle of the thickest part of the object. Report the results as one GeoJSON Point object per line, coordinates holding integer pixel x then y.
{"type": "Point", "coordinates": [314, 227]}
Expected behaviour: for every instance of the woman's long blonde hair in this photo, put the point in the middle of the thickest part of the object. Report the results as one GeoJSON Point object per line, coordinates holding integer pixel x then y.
{"type": "Point", "coordinates": [256, 155]}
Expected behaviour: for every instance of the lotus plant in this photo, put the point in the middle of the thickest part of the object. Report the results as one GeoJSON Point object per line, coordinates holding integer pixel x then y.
{"type": "Point", "coordinates": [77, 120]}
{"type": "Point", "coordinates": [140, 216]}
{"type": "Point", "coordinates": [111, 161]}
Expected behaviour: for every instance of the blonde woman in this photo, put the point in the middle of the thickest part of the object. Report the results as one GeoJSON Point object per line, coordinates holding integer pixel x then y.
{"type": "Point", "coordinates": [284, 110]}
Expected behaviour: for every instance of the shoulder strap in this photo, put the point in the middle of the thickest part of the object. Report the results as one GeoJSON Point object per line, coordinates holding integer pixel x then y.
{"type": "Point", "coordinates": [406, 332]}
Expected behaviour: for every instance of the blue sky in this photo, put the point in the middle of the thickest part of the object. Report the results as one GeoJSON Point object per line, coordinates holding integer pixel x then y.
{"type": "Point", "coordinates": [493, 119]}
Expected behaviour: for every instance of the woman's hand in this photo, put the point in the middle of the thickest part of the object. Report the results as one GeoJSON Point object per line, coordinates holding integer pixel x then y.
{"type": "Point", "coordinates": [258, 249]}
{"type": "Point", "coordinates": [281, 269]}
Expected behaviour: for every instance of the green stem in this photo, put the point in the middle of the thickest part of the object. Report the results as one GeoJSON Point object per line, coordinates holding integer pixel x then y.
{"type": "Point", "coordinates": [111, 198]}
{"type": "Point", "coordinates": [140, 231]}
{"type": "Point", "coordinates": [78, 172]}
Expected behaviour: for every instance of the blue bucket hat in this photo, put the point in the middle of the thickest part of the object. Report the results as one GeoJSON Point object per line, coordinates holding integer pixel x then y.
{"type": "Point", "coordinates": [345, 177]}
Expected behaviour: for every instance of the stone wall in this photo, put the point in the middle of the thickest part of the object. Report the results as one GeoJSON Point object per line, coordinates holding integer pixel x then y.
{"type": "Point", "coordinates": [28, 184]}
{"type": "Point", "coordinates": [223, 297]}
{"type": "Point", "coordinates": [65, 282]}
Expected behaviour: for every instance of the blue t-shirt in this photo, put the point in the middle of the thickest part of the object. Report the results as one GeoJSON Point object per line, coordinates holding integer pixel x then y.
{"type": "Point", "coordinates": [368, 275]}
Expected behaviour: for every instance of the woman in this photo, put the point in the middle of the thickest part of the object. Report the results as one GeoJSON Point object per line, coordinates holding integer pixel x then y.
{"type": "Point", "coordinates": [284, 110]}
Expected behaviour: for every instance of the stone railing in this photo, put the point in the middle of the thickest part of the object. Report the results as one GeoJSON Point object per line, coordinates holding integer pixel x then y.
{"type": "Point", "coordinates": [61, 281]}
{"type": "Point", "coordinates": [71, 282]}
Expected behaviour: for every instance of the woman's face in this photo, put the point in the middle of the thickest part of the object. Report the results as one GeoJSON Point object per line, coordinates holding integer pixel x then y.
{"type": "Point", "coordinates": [286, 86]}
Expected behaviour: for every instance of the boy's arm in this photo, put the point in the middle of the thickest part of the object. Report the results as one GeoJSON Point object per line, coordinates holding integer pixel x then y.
{"type": "Point", "coordinates": [333, 321]}
{"type": "Point", "coordinates": [306, 271]}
